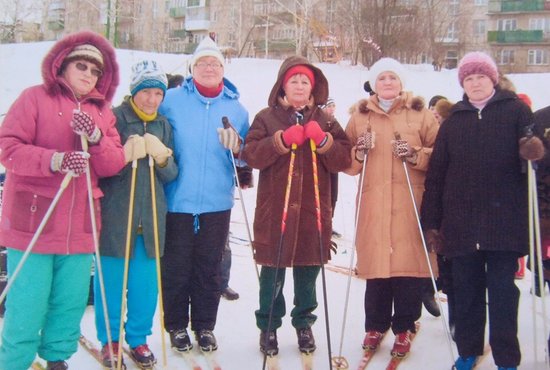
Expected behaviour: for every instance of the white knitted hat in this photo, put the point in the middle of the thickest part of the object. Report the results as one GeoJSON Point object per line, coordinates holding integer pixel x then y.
{"type": "Point", "coordinates": [206, 48]}
{"type": "Point", "coordinates": [385, 65]}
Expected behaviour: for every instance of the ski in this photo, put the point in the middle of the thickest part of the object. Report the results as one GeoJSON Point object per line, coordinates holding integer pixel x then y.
{"type": "Point", "coordinates": [307, 360]}
{"type": "Point", "coordinates": [238, 240]}
{"type": "Point", "coordinates": [395, 361]}
{"type": "Point", "coordinates": [368, 354]}
{"type": "Point", "coordinates": [273, 362]}
{"type": "Point", "coordinates": [211, 360]}
{"type": "Point", "coordinates": [37, 366]}
{"type": "Point", "coordinates": [190, 359]}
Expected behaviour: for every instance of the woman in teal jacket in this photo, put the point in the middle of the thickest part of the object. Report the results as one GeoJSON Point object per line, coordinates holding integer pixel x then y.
{"type": "Point", "coordinates": [145, 135]}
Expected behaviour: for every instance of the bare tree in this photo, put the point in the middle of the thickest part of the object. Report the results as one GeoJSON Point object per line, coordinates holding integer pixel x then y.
{"type": "Point", "coordinates": [17, 18]}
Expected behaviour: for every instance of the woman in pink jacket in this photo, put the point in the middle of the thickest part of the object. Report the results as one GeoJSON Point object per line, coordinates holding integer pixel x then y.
{"type": "Point", "coordinates": [39, 144]}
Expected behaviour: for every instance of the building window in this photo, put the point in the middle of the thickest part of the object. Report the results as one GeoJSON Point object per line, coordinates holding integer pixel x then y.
{"type": "Point", "coordinates": [506, 25]}
{"type": "Point", "coordinates": [192, 3]}
{"type": "Point", "coordinates": [506, 57]}
{"type": "Point", "coordinates": [540, 24]}
{"type": "Point", "coordinates": [537, 57]}
{"type": "Point", "coordinates": [452, 32]}
{"type": "Point", "coordinates": [479, 27]}
{"type": "Point", "coordinates": [454, 7]}
{"type": "Point", "coordinates": [480, 2]}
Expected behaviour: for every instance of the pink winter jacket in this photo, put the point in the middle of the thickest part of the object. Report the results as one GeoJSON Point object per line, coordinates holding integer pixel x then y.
{"type": "Point", "coordinates": [36, 126]}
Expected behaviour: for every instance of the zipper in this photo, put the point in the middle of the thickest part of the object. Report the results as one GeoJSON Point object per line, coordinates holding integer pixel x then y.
{"type": "Point", "coordinates": [479, 114]}
{"type": "Point", "coordinates": [478, 247]}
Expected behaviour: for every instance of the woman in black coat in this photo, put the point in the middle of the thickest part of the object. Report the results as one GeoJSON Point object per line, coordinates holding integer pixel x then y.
{"type": "Point", "coordinates": [474, 208]}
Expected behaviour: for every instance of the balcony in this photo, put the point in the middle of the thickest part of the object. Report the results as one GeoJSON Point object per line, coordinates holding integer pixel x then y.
{"type": "Point", "coordinates": [179, 34]}
{"type": "Point", "coordinates": [276, 46]}
{"type": "Point", "coordinates": [517, 6]}
{"type": "Point", "coordinates": [515, 37]}
{"type": "Point", "coordinates": [178, 12]}
{"type": "Point", "coordinates": [57, 25]}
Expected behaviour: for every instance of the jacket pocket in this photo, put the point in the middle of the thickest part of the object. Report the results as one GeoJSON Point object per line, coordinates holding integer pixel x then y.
{"type": "Point", "coordinates": [29, 210]}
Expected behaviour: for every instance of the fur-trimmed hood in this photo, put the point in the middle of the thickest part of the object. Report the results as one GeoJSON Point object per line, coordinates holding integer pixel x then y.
{"type": "Point", "coordinates": [416, 103]}
{"type": "Point", "coordinates": [106, 85]}
{"type": "Point", "coordinates": [319, 92]}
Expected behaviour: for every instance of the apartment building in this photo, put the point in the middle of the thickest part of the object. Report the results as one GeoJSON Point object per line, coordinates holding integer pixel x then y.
{"type": "Point", "coordinates": [516, 33]}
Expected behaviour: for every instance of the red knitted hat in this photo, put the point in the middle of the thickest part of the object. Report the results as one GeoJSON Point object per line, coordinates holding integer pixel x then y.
{"type": "Point", "coordinates": [477, 62]}
{"type": "Point", "coordinates": [299, 69]}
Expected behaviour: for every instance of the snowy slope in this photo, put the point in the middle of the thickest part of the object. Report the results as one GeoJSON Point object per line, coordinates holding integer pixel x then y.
{"type": "Point", "coordinates": [236, 331]}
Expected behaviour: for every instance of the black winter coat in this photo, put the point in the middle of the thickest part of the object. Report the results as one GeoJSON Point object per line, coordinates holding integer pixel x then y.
{"type": "Point", "coordinates": [476, 191]}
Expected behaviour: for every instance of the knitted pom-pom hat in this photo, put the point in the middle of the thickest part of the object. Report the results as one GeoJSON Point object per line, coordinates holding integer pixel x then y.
{"type": "Point", "coordinates": [477, 62]}
{"type": "Point", "coordinates": [147, 74]}
{"type": "Point", "coordinates": [206, 48]}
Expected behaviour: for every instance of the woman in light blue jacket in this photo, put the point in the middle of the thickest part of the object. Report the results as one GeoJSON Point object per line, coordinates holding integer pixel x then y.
{"type": "Point", "coordinates": [201, 198]}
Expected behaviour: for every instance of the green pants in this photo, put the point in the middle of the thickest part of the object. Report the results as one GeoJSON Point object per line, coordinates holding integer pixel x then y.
{"type": "Point", "coordinates": [44, 308]}
{"type": "Point", "coordinates": [305, 297]}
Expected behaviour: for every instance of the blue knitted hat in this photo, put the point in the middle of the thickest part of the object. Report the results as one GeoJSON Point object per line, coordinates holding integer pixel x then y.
{"type": "Point", "coordinates": [147, 74]}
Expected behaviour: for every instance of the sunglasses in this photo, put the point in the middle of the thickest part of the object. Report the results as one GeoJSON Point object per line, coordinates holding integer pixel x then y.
{"type": "Point", "coordinates": [84, 67]}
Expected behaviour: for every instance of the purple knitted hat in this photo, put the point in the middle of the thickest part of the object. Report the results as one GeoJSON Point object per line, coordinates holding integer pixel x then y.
{"type": "Point", "coordinates": [477, 62]}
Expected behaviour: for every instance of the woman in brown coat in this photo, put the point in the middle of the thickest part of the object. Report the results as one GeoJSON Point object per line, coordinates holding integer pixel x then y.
{"type": "Point", "coordinates": [299, 90]}
{"type": "Point", "coordinates": [390, 254]}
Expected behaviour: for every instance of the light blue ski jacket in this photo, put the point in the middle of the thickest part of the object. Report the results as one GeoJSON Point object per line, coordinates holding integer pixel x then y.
{"type": "Point", "coordinates": [206, 180]}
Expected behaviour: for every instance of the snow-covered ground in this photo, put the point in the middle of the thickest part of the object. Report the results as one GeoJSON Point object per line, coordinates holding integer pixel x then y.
{"type": "Point", "coordinates": [237, 334]}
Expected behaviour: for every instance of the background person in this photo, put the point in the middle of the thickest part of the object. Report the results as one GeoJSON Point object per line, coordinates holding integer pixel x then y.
{"type": "Point", "coordinates": [39, 144]}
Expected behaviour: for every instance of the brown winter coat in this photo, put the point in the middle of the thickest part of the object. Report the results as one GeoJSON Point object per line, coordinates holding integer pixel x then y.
{"type": "Point", "coordinates": [265, 151]}
{"type": "Point", "coordinates": [388, 240]}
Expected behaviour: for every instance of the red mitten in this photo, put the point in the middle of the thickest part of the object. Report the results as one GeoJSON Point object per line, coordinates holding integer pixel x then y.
{"type": "Point", "coordinates": [294, 135]}
{"type": "Point", "coordinates": [83, 124]}
{"type": "Point", "coordinates": [314, 132]}
{"type": "Point", "coordinates": [75, 162]}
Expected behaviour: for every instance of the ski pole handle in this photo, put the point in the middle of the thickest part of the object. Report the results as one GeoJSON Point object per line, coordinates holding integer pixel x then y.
{"type": "Point", "coordinates": [225, 122]}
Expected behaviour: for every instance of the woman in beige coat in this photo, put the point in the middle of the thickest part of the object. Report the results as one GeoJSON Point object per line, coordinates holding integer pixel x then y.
{"type": "Point", "coordinates": [390, 254]}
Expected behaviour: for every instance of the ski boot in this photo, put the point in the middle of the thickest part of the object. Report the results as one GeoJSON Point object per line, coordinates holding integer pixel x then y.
{"type": "Point", "coordinates": [57, 365]}
{"type": "Point", "coordinates": [465, 363]}
{"type": "Point", "coordinates": [109, 362]}
{"type": "Point", "coordinates": [180, 341]}
{"type": "Point", "coordinates": [372, 340]}
{"type": "Point", "coordinates": [268, 343]}
{"type": "Point", "coordinates": [207, 340]}
{"type": "Point", "coordinates": [306, 341]}
{"type": "Point", "coordinates": [143, 356]}
{"type": "Point", "coordinates": [402, 344]}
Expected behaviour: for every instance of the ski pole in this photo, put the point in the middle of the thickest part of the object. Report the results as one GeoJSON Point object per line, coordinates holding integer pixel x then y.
{"type": "Point", "coordinates": [84, 143]}
{"type": "Point", "coordinates": [535, 227]}
{"type": "Point", "coordinates": [340, 361]}
{"type": "Point", "coordinates": [321, 249]}
{"type": "Point", "coordinates": [227, 124]}
{"type": "Point", "coordinates": [157, 256]}
{"type": "Point", "coordinates": [28, 250]}
{"type": "Point", "coordinates": [126, 260]}
{"type": "Point", "coordinates": [299, 118]}
{"type": "Point", "coordinates": [443, 316]}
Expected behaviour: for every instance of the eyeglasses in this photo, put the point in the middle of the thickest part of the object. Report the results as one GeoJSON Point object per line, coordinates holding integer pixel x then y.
{"type": "Point", "coordinates": [203, 65]}
{"type": "Point", "coordinates": [84, 67]}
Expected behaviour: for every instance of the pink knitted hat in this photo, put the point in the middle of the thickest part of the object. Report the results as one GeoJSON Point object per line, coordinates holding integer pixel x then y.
{"type": "Point", "coordinates": [477, 62]}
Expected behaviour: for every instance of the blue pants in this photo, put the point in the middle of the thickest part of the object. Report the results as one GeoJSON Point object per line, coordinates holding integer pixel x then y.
{"type": "Point", "coordinates": [44, 308]}
{"type": "Point", "coordinates": [142, 292]}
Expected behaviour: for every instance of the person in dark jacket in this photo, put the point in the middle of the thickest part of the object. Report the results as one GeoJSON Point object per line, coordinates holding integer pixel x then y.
{"type": "Point", "coordinates": [474, 208]}
{"type": "Point", "coordinates": [40, 145]}
{"type": "Point", "coordinates": [147, 136]}
{"type": "Point", "coordinates": [292, 119]}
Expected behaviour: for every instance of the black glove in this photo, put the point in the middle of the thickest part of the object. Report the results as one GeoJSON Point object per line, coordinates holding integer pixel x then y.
{"type": "Point", "coordinates": [434, 240]}
{"type": "Point", "coordinates": [244, 174]}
